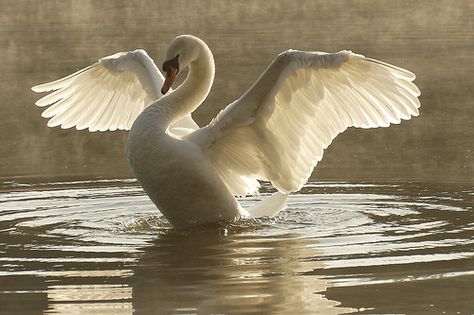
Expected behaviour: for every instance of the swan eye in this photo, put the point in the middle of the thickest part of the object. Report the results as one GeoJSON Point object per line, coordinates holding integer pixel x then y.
{"type": "Point", "coordinates": [172, 63]}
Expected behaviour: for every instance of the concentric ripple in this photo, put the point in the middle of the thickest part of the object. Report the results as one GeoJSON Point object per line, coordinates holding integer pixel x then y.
{"type": "Point", "coordinates": [340, 247]}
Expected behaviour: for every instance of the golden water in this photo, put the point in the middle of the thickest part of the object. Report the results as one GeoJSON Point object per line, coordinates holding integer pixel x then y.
{"type": "Point", "coordinates": [340, 247]}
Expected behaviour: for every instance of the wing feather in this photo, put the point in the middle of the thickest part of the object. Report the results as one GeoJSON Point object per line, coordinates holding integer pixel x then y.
{"type": "Point", "coordinates": [61, 83]}
{"type": "Point", "coordinates": [278, 130]}
{"type": "Point", "coordinates": [107, 95]}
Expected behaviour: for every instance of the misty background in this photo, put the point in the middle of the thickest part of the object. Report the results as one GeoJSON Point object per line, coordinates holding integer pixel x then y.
{"type": "Point", "coordinates": [41, 41]}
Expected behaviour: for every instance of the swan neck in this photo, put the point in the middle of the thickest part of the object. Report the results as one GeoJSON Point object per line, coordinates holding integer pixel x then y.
{"type": "Point", "coordinates": [194, 90]}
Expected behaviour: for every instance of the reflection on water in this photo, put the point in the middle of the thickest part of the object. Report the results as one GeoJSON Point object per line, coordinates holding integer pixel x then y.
{"type": "Point", "coordinates": [339, 248]}
{"type": "Point", "coordinates": [245, 273]}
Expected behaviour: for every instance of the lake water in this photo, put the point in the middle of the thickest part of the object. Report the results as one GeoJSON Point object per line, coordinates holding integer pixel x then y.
{"type": "Point", "coordinates": [339, 248]}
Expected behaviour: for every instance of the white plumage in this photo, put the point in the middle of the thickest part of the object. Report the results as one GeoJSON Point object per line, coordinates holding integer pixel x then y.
{"type": "Point", "coordinates": [108, 95]}
{"type": "Point", "coordinates": [277, 131]}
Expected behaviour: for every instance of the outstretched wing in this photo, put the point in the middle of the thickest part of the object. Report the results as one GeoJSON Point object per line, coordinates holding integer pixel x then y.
{"type": "Point", "coordinates": [108, 95]}
{"type": "Point", "coordinates": [278, 130]}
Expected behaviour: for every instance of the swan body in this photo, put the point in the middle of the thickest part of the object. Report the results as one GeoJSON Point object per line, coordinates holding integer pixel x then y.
{"type": "Point", "coordinates": [177, 176]}
{"type": "Point", "coordinates": [277, 131]}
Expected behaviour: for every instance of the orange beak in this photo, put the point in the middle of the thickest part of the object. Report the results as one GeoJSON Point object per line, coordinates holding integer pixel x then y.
{"type": "Point", "coordinates": [170, 76]}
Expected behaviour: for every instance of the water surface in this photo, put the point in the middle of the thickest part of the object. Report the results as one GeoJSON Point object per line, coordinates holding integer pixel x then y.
{"type": "Point", "coordinates": [340, 248]}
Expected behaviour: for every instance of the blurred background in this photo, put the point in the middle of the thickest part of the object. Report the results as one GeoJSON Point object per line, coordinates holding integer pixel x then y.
{"type": "Point", "coordinates": [41, 41]}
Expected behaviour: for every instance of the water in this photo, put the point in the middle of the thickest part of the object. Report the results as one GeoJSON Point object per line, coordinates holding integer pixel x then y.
{"type": "Point", "coordinates": [340, 247]}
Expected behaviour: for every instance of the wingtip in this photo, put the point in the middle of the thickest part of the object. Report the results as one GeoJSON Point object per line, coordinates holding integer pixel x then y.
{"type": "Point", "coordinates": [40, 88]}
{"type": "Point", "coordinates": [411, 75]}
{"type": "Point", "coordinates": [52, 124]}
{"type": "Point", "coordinates": [36, 88]}
{"type": "Point", "coordinates": [85, 128]}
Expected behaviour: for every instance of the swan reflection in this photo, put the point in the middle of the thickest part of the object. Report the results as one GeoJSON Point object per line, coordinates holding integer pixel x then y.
{"type": "Point", "coordinates": [207, 272]}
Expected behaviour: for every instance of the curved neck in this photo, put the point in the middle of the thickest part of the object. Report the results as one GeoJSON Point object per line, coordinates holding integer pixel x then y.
{"type": "Point", "coordinates": [194, 90]}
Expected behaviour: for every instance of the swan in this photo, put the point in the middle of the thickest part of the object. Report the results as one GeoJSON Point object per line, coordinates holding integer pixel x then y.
{"type": "Point", "coordinates": [276, 131]}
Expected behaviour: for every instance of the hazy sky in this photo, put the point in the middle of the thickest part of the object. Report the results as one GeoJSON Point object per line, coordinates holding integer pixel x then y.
{"type": "Point", "coordinates": [43, 40]}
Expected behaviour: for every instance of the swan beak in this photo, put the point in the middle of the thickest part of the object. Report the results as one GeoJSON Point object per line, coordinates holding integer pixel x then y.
{"type": "Point", "coordinates": [170, 76]}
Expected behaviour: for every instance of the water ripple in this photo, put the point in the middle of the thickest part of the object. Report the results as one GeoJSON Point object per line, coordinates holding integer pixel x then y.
{"type": "Point", "coordinates": [103, 246]}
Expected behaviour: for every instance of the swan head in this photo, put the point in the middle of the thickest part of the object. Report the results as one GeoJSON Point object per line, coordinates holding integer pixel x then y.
{"type": "Point", "coordinates": [184, 50]}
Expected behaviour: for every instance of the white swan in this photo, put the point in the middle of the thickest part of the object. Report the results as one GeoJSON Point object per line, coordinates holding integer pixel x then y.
{"type": "Point", "coordinates": [276, 131]}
